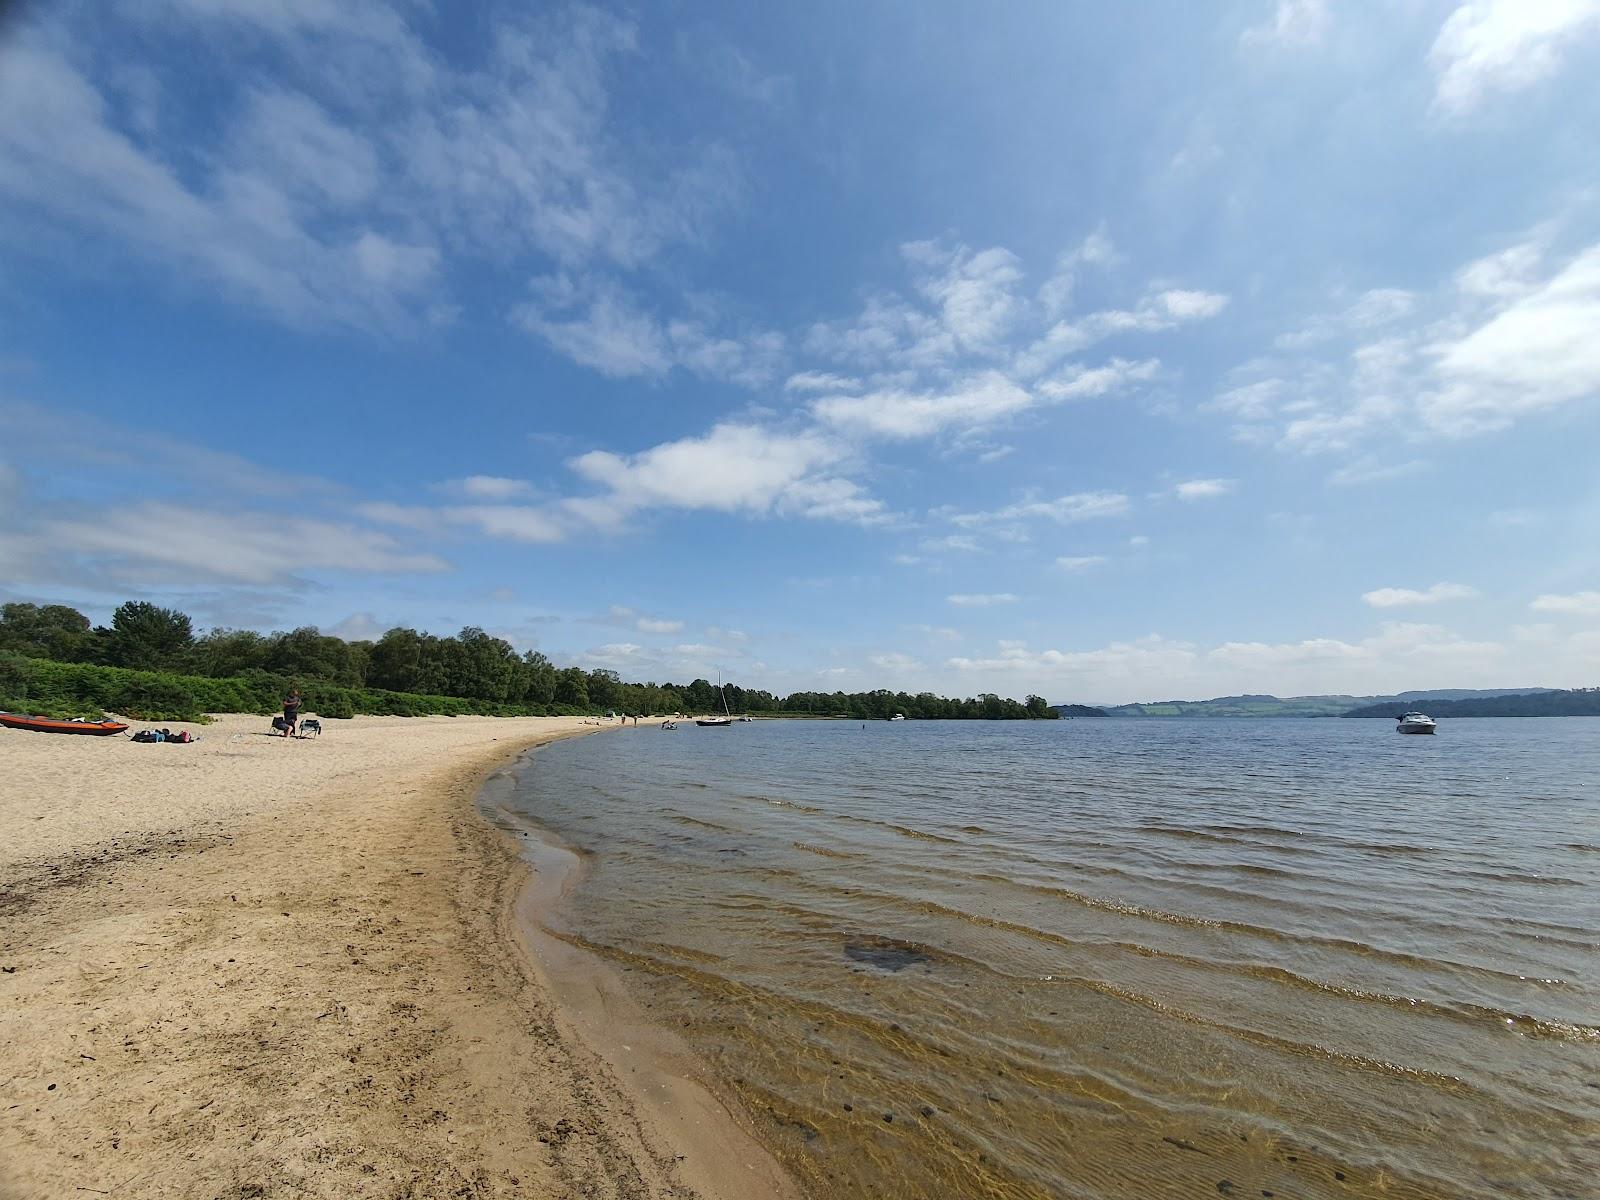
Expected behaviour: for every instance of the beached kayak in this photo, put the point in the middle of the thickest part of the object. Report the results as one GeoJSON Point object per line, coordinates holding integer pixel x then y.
{"type": "Point", "coordinates": [51, 725]}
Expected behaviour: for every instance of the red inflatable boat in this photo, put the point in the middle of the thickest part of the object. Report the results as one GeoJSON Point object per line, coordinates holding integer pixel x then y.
{"type": "Point", "coordinates": [51, 725]}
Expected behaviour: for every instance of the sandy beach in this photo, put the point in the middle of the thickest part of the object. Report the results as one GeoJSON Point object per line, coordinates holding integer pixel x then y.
{"type": "Point", "coordinates": [249, 968]}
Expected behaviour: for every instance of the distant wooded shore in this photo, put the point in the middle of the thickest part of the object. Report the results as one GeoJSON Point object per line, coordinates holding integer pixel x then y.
{"type": "Point", "coordinates": [1445, 702]}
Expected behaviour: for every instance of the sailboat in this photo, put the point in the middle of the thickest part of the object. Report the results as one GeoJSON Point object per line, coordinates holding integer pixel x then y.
{"type": "Point", "coordinates": [726, 719]}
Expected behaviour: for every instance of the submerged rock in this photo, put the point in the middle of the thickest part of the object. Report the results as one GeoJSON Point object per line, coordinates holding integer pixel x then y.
{"type": "Point", "coordinates": [887, 954]}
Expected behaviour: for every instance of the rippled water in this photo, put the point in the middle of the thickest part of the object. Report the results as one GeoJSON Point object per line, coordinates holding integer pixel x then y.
{"type": "Point", "coordinates": [1116, 958]}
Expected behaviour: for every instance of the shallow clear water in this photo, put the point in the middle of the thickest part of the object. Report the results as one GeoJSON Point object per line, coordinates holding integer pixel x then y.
{"type": "Point", "coordinates": [1107, 958]}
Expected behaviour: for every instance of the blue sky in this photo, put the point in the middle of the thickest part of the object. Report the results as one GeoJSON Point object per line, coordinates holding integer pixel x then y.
{"type": "Point", "coordinates": [1107, 352]}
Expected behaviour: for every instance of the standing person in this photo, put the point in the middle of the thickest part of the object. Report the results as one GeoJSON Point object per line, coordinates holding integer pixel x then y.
{"type": "Point", "coordinates": [291, 712]}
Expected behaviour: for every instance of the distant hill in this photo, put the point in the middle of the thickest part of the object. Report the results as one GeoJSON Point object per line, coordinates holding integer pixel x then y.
{"type": "Point", "coordinates": [1579, 702]}
{"type": "Point", "coordinates": [1078, 710]}
{"type": "Point", "coordinates": [1305, 706]}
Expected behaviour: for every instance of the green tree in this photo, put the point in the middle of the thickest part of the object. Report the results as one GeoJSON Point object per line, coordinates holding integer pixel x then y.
{"type": "Point", "coordinates": [540, 678]}
{"type": "Point", "coordinates": [572, 687]}
{"type": "Point", "coordinates": [148, 638]}
{"type": "Point", "coordinates": [605, 690]}
{"type": "Point", "coordinates": [223, 652]}
{"type": "Point", "coordinates": [51, 631]}
{"type": "Point", "coordinates": [396, 661]}
{"type": "Point", "coordinates": [485, 666]}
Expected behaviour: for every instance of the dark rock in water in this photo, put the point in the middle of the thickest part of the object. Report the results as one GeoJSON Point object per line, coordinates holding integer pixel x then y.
{"type": "Point", "coordinates": [886, 954]}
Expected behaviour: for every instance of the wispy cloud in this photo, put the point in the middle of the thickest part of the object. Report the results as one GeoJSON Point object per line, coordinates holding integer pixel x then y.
{"type": "Point", "coordinates": [1064, 510]}
{"type": "Point", "coordinates": [1392, 597]}
{"type": "Point", "coordinates": [1191, 490]}
{"type": "Point", "coordinates": [1574, 604]}
{"type": "Point", "coordinates": [1293, 23]}
{"type": "Point", "coordinates": [1081, 562]}
{"type": "Point", "coordinates": [981, 599]}
{"type": "Point", "coordinates": [1506, 338]}
{"type": "Point", "coordinates": [202, 545]}
{"type": "Point", "coordinates": [347, 205]}
{"type": "Point", "coordinates": [598, 323]}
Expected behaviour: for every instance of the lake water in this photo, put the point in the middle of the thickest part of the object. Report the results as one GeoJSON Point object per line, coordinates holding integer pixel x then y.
{"type": "Point", "coordinates": [1105, 958]}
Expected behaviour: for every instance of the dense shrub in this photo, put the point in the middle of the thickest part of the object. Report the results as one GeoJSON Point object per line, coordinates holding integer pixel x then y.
{"type": "Point", "coordinates": [59, 689]}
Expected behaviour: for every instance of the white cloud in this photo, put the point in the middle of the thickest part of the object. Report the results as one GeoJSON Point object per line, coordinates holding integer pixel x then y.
{"type": "Point", "coordinates": [1094, 250]}
{"type": "Point", "coordinates": [1064, 510]}
{"type": "Point", "coordinates": [1575, 604]}
{"type": "Point", "coordinates": [733, 468]}
{"type": "Point", "coordinates": [1081, 562]}
{"type": "Point", "coordinates": [976, 402]}
{"type": "Point", "coordinates": [1158, 312]}
{"type": "Point", "coordinates": [955, 541]}
{"type": "Point", "coordinates": [1488, 46]}
{"type": "Point", "coordinates": [1505, 274]}
{"type": "Point", "coordinates": [515, 522]}
{"type": "Point", "coordinates": [894, 661]}
{"type": "Point", "coordinates": [1495, 346]}
{"type": "Point", "coordinates": [1398, 657]}
{"type": "Point", "coordinates": [1537, 352]}
{"type": "Point", "coordinates": [1076, 381]}
{"type": "Point", "coordinates": [973, 292]}
{"type": "Point", "coordinates": [630, 619]}
{"type": "Point", "coordinates": [596, 325]}
{"type": "Point", "coordinates": [981, 600]}
{"type": "Point", "coordinates": [346, 202]}
{"type": "Point", "coordinates": [1144, 661]}
{"type": "Point", "coordinates": [1371, 470]}
{"type": "Point", "coordinates": [1203, 489]}
{"type": "Point", "coordinates": [1139, 540]}
{"type": "Point", "coordinates": [491, 487]}
{"type": "Point", "coordinates": [1293, 23]}
{"type": "Point", "coordinates": [819, 381]}
{"type": "Point", "coordinates": [1380, 306]}
{"type": "Point", "coordinates": [1390, 597]}
{"type": "Point", "coordinates": [158, 542]}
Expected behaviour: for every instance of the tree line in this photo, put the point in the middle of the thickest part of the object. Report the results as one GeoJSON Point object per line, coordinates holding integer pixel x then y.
{"type": "Point", "coordinates": [470, 666]}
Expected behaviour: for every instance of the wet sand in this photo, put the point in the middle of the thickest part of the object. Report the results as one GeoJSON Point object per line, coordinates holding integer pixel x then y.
{"type": "Point", "coordinates": [251, 968]}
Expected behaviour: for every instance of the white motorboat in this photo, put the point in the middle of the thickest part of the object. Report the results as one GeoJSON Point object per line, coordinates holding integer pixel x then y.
{"type": "Point", "coordinates": [1415, 722]}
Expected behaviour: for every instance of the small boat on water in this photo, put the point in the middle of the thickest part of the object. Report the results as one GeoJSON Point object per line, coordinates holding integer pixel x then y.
{"type": "Point", "coordinates": [726, 719]}
{"type": "Point", "coordinates": [52, 725]}
{"type": "Point", "coordinates": [897, 717]}
{"type": "Point", "coordinates": [1415, 722]}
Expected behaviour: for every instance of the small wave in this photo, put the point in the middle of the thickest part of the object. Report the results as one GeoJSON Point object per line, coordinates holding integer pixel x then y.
{"type": "Point", "coordinates": [921, 835]}
{"type": "Point", "coordinates": [685, 819]}
{"type": "Point", "coordinates": [1259, 830]}
{"type": "Point", "coordinates": [826, 852]}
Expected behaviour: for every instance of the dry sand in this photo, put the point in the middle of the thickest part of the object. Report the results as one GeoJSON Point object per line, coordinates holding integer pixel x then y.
{"type": "Point", "coordinates": [251, 967]}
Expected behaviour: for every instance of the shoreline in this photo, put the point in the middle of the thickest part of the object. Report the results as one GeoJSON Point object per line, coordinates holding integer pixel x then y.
{"type": "Point", "coordinates": [255, 968]}
{"type": "Point", "coordinates": [718, 1154]}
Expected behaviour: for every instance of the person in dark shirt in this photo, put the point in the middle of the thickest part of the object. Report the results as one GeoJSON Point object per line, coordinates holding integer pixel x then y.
{"type": "Point", "coordinates": [291, 712]}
